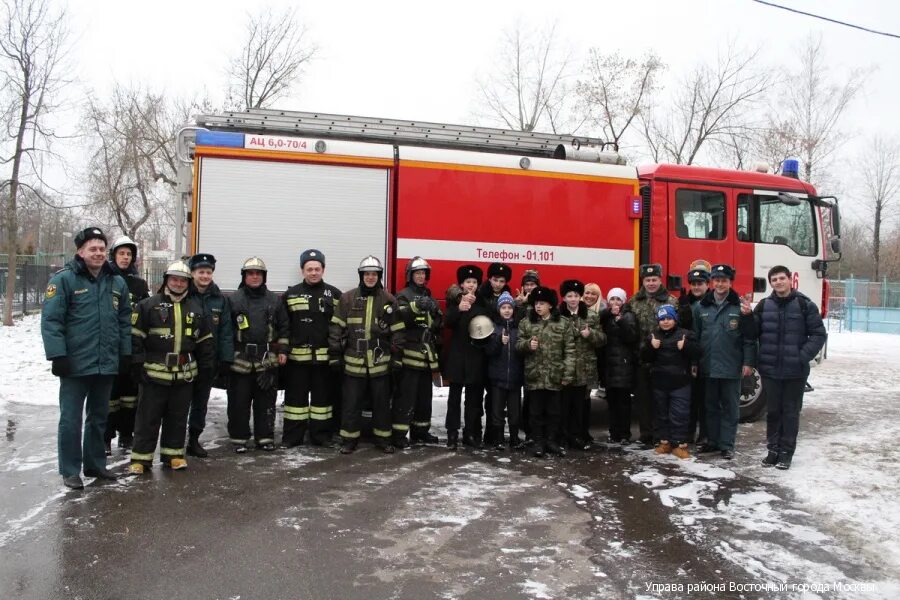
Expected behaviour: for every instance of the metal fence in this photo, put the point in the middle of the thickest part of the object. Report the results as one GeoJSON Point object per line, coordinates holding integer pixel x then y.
{"type": "Point", "coordinates": [863, 305]}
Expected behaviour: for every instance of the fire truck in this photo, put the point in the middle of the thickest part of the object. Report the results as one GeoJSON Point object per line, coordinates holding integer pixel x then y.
{"type": "Point", "coordinates": [272, 183]}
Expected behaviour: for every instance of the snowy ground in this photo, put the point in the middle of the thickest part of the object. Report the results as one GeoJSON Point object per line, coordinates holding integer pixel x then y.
{"type": "Point", "coordinates": [834, 517]}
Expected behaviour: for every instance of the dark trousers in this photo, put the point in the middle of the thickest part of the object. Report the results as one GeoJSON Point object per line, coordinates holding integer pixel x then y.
{"type": "Point", "coordinates": [619, 401]}
{"type": "Point", "coordinates": [306, 404]}
{"type": "Point", "coordinates": [415, 394]}
{"type": "Point", "coordinates": [723, 397]}
{"type": "Point", "coordinates": [165, 405]}
{"type": "Point", "coordinates": [643, 400]}
{"type": "Point", "coordinates": [78, 395]}
{"type": "Point", "coordinates": [698, 410]}
{"type": "Point", "coordinates": [545, 416]}
{"type": "Point", "coordinates": [784, 401]}
{"type": "Point", "coordinates": [586, 416]}
{"type": "Point", "coordinates": [572, 408]}
{"type": "Point", "coordinates": [673, 409]}
{"type": "Point", "coordinates": [122, 407]}
{"type": "Point", "coordinates": [355, 393]}
{"type": "Point", "coordinates": [510, 403]}
{"type": "Point", "coordinates": [474, 395]}
{"type": "Point", "coordinates": [526, 415]}
{"type": "Point", "coordinates": [202, 386]}
{"type": "Point", "coordinates": [335, 396]}
{"type": "Point", "coordinates": [244, 395]}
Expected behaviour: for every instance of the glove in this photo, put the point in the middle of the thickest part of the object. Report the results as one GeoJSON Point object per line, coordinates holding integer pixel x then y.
{"type": "Point", "coordinates": [266, 379]}
{"type": "Point", "coordinates": [224, 369]}
{"type": "Point", "coordinates": [425, 303]}
{"type": "Point", "coordinates": [62, 367]}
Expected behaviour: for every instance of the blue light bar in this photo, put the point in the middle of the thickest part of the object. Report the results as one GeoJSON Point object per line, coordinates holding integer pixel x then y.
{"type": "Point", "coordinates": [221, 139]}
{"type": "Point", "coordinates": [790, 167]}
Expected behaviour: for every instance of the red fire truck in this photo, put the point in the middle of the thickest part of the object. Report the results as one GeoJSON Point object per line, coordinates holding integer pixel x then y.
{"type": "Point", "coordinates": [271, 183]}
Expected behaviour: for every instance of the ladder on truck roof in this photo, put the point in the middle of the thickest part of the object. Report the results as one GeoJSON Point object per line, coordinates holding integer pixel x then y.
{"type": "Point", "coordinates": [413, 133]}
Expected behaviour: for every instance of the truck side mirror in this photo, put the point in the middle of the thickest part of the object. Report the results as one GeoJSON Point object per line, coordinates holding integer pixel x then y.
{"type": "Point", "coordinates": [836, 245]}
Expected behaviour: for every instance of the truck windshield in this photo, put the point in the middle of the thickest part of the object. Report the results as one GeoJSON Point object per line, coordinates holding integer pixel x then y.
{"type": "Point", "coordinates": [767, 220]}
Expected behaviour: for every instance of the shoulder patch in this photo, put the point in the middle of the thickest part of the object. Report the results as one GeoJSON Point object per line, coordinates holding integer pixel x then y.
{"type": "Point", "coordinates": [51, 291]}
{"type": "Point", "coordinates": [134, 318]}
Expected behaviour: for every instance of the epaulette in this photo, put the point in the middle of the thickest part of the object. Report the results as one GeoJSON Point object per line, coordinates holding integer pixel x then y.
{"type": "Point", "coordinates": [65, 268]}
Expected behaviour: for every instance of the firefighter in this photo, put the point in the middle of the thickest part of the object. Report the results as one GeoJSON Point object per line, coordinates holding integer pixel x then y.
{"type": "Point", "coordinates": [418, 329]}
{"type": "Point", "coordinates": [645, 304]}
{"type": "Point", "coordinates": [465, 363]}
{"type": "Point", "coordinates": [122, 402]}
{"type": "Point", "coordinates": [84, 326]}
{"type": "Point", "coordinates": [310, 305]}
{"type": "Point", "coordinates": [218, 317]}
{"type": "Point", "coordinates": [172, 342]}
{"type": "Point", "coordinates": [359, 343]}
{"type": "Point", "coordinates": [260, 347]}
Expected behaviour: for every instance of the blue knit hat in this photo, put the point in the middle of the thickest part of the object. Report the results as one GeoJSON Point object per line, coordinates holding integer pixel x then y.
{"type": "Point", "coordinates": [666, 311]}
{"type": "Point", "coordinates": [505, 298]}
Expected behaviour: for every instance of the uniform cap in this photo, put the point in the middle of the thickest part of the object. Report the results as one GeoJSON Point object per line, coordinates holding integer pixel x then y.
{"type": "Point", "coordinates": [571, 285]}
{"type": "Point", "coordinates": [91, 233]}
{"type": "Point", "coordinates": [722, 270]}
{"type": "Point", "coordinates": [698, 275]}
{"type": "Point", "coordinates": [466, 271]}
{"type": "Point", "coordinates": [499, 270]}
{"type": "Point", "coordinates": [542, 294]}
{"type": "Point", "coordinates": [312, 254]}
{"type": "Point", "coordinates": [651, 270]}
{"type": "Point", "coordinates": [198, 261]}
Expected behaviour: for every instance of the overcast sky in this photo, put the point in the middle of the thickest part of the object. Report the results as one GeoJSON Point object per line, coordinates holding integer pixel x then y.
{"type": "Point", "coordinates": [419, 60]}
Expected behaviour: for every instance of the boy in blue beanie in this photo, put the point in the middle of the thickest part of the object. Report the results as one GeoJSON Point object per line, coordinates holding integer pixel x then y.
{"type": "Point", "coordinates": [670, 351]}
{"type": "Point", "coordinates": [506, 373]}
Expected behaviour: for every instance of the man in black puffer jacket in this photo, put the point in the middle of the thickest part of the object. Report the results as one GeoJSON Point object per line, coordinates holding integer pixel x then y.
{"type": "Point", "coordinates": [791, 333]}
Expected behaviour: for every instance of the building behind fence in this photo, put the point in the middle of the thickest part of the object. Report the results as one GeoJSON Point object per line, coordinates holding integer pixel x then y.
{"type": "Point", "coordinates": [33, 272]}
{"type": "Point", "coordinates": [863, 305]}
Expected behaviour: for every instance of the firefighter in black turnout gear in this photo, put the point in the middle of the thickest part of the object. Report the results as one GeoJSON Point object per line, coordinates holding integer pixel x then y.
{"type": "Point", "coordinates": [171, 342]}
{"type": "Point", "coordinates": [123, 400]}
{"type": "Point", "coordinates": [416, 336]}
{"type": "Point", "coordinates": [359, 341]}
{"type": "Point", "coordinates": [310, 305]}
{"type": "Point", "coordinates": [260, 347]}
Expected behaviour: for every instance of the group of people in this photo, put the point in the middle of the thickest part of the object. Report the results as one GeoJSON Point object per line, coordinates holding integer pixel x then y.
{"type": "Point", "coordinates": [144, 365]}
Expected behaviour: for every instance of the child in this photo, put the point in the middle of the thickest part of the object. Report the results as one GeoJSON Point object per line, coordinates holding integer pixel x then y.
{"type": "Point", "coordinates": [548, 345]}
{"type": "Point", "coordinates": [506, 373]}
{"type": "Point", "coordinates": [619, 359]}
{"type": "Point", "coordinates": [670, 351]}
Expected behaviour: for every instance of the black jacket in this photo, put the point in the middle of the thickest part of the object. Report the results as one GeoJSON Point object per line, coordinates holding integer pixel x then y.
{"type": "Point", "coordinates": [260, 319]}
{"type": "Point", "coordinates": [670, 368]}
{"type": "Point", "coordinates": [309, 310]}
{"type": "Point", "coordinates": [506, 367]}
{"type": "Point", "coordinates": [790, 332]}
{"type": "Point", "coordinates": [464, 359]}
{"type": "Point", "coordinates": [620, 352]}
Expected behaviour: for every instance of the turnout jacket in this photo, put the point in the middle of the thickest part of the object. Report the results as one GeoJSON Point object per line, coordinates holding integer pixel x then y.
{"type": "Point", "coordinates": [418, 328]}
{"type": "Point", "coordinates": [621, 347]}
{"type": "Point", "coordinates": [171, 339]}
{"type": "Point", "coordinates": [644, 306]}
{"type": "Point", "coordinates": [585, 347]}
{"type": "Point", "coordinates": [727, 338]}
{"type": "Point", "coordinates": [137, 287]}
{"type": "Point", "coordinates": [309, 310]}
{"type": "Point", "coordinates": [790, 332]}
{"type": "Point", "coordinates": [670, 368]}
{"type": "Point", "coordinates": [552, 365]}
{"type": "Point", "coordinates": [360, 332]}
{"type": "Point", "coordinates": [87, 319]}
{"type": "Point", "coordinates": [260, 329]}
{"type": "Point", "coordinates": [218, 318]}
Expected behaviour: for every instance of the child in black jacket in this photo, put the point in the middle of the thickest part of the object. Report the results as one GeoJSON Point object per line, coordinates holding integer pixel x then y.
{"type": "Point", "coordinates": [671, 351]}
{"type": "Point", "coordinates": [506, 372]}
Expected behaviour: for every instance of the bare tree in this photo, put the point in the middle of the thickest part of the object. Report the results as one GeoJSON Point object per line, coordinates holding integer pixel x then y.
{"type": "Point", "coordinates": [616, 90]}
{"type": "Point", "coordinates": [32, 39]}
{"type": "Point", "coordinates": [879, 171]}
{"type": "Point", "coordinates": [527, 88]}
{"type": "Point", "coordinates": [710, 106]}
{"type": "Point", "coordinates": [276, 49]}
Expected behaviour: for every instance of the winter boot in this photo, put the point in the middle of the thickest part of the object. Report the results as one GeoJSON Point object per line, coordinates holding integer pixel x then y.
{"type": "Point", "coordinates": [770, 460]}
{"type": "Point", "coordinates": [399, 441]}
{"type": "Point", "coordinates": [429, 438]}
{"type": "Point", "coordinates": [384, 445]}
{"type": "Point", "coordinates": [539, 451]}
{"type": "Point", "coordinates": [554, 448]}
{"type": "Point", "coordinates": [784, 462]}
{"type": "Point", "coordinates": [108, 447]}
{"type": "Point", "coordinates": [348, 446]}
{"type": "Point", "coordinates": [664, 447]}
{"type": "Point", "coordinates": [681, 451]}
{"type": "Point", "coordinates": [452, 439]}
{"type": "Point", "coordinates": [193, 446]}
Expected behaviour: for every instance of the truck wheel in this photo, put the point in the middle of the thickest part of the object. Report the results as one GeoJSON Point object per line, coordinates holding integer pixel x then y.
{"type": "Point", "coordinates": [753, 398]}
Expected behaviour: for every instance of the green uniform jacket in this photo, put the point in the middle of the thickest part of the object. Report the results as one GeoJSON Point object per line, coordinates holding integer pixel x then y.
{"type": "Point", "coordinates": [585, 347]}
{"type": "Point", "coordinates": [552, 365]}
{"type": "Point", "coordinates": [217, 312]}
{"type": "Point", "coordinates": [726, 336]}
{"type": "Point", "coordinates": [87, 319]}
{"type": "Point", "coordinates": [644, 307]}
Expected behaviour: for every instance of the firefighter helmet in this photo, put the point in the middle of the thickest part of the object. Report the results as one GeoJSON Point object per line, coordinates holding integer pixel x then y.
{"type": "Point", "coordinates": [370, 264]}
{"type": "Point", "coordinates": [178, 269]}
{"type": "Point", "coordinates": [120, 242]}
{"type": "Point", "coordinates": [480, 327]}
{"type": "Point", "coordinates": [417, 263]}
{"type": "Point", "coordinates": [254, 264]}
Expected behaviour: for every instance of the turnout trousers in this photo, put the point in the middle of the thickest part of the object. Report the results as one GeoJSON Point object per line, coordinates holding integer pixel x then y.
{"type": "Point", "coordinates": [244, 395]}
{"type": "Point", "coordinates": [165, 405]}
{"type": "Point", "coordinates": [78, 395]}
{"type": "Point", "coordinates": [306, 404]}
{"type": "Point", "coordinates": [355, 390]}
{"type": "Point", "coordinates": [122, 407]}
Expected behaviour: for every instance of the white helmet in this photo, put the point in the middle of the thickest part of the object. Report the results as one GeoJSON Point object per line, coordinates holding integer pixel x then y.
{"type": "Point", "coordinates": [254, 264]}
{"type": "Point", "coordinates": [370, 264]}
{"type": "Point", "coordinates": [179, 269]}
{"type": "Point", "coordinates": [480, 327]}
{"type": "Point", "coordinates": [123, 241]}
{"type": "Point", "coordinates": [417, 263]}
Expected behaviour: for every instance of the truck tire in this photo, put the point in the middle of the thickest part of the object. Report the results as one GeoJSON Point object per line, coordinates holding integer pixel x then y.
{"type": "Point", "coordinates": [753, 398]}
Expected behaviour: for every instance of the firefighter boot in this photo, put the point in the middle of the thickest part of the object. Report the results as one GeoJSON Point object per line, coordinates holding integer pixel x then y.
{"type": "Point", "coordinates": [193, 446]}
{"type": "Point", "coordinates": [348, 446]}
{"type": "Point", "coordinates": [452, 439]}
